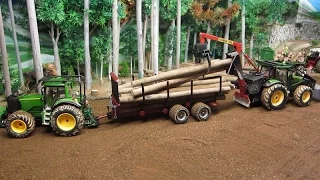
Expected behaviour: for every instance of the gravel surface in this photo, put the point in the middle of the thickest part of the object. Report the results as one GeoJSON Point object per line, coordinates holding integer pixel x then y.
{"type": "Point", "coordinates": [235, 143]}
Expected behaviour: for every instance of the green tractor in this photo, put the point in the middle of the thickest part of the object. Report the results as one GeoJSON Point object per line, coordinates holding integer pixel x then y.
{"type": "Point", "coordinates": [60, 105]}
{"type": "Point", "coordinates": [275, 83]}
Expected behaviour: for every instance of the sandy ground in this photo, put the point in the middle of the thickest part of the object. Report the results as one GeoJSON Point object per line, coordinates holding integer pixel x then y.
{"type": "Point", "coordinates": [235, 143]}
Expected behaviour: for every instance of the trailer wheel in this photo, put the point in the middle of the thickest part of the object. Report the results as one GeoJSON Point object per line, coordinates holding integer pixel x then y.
{"type": "Point", "coordinates": [201, 111]}
{"type": "Point", "coordinates": [67, 120]}
{"type": "Point", "coordinates": [274, 97]}
{"type": "Point", "coordinates": [179, 114]}
{"type": "Point", "coordinates": [302, 95]}
{"type": "Point", "coordinates": [20, 124]}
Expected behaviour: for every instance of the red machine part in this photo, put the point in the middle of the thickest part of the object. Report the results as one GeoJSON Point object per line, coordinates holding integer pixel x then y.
{"type": "Point", "coordinates": [241, 97]}
{"type": "Point", "coordinates": [236, 45]}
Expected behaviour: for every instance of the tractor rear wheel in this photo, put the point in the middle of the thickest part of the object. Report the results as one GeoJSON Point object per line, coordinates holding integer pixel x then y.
{"type": "Point", "coordinates": [67, 120]}
{"type": "Point", "coordinates": [20, 124]}
{"type": "Point", "coordinates": [274, 97]}
{"type": "Point", "coordinates": [302, 95]}
{"type": "Point", "coordinates": [318, 66]}
{"type": "Point", "coordinates": [201, 111]}
{"type": "Point", "coordinates": [179, 114]}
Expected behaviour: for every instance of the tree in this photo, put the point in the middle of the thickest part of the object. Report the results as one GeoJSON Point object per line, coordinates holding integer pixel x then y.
{"type": "Point", "coordinates": [178, 34]}
{"type": "Point", "coordinates": [140, 37]}
{"type": "Point", "coordinates": [4, 56]}
{"type": "Point", "coordinates": [16, 45]}
{"type": "Point", "coordinates": [226, 32]}
{"type": "Point", "coordinates": [86, 45]}
{"type": "Point", "coordinates": [243, 29]}
{"type": "Point", "coordinates": [116, 34]}
{"type": "Point", "coordinates": [212, 13]}
{"type": "Point", "coordinates": [33, 26]}
{"type": "Point", "coordinates": [52, 12]}
{"type": "Point", "coordinates": [155, 35]}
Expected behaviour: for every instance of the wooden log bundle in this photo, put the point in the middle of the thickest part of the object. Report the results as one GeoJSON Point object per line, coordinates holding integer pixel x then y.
{"type": "Point", "coordinates": [216, 65]}
{"type": "Point", "coordinates": [193, 82]}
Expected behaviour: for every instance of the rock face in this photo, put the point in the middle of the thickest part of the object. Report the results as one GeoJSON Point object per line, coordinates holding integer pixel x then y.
{"type": "Point", "coordinates": [294, 31]}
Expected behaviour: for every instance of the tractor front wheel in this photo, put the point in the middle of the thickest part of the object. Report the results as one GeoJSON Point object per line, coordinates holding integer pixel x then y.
{"type": "Point", "coordinates": [302, 95]}
{"type": "Point", "coordinates": [179, 114]}
{"type": "Point", "coordinates": [20, 124]}
{"type": "Point", "coordinates": [274, 97]}
{"type": "Point", "coordinates": [67, 120]}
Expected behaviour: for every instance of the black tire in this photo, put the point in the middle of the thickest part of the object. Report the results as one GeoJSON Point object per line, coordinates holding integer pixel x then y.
{"type": "Point", "coordinates": [67, 120]}
{"type": "Point", "coordinates": [201, 111]}
{"type": "Point", "coordinates": [302, 95]}
{"type": "Point", "coordinates": [20, 124]}
{"type": "Point", "coordinates": [179, 114]}
{"type": "Point", "coordinates": [318, 66]}
{"type": "Point", "coordinates": [274, 97]}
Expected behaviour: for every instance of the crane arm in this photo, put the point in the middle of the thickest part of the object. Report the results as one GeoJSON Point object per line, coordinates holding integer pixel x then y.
{"type": "Point", "coordinates": [236, 45]}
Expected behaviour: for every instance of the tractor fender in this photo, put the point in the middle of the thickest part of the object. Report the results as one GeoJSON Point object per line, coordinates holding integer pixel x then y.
{"type": "Point", "coordinates": [66, 101]}
{"type": "Point", "coordinates": [271, 82]}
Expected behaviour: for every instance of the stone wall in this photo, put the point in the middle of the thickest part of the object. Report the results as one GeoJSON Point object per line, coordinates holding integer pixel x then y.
{"type": "Point", "coordinates": [294, 31]}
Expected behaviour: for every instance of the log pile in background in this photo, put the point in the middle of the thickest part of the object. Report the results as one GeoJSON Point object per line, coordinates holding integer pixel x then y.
{"type": "Point", "coordinates": [179, 83]}
{"type": "Point", "coordinates": [292, 56]}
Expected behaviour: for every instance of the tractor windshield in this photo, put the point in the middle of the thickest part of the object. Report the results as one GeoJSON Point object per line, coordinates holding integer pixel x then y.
{"type": "Point", "coordinates": [52, 94]}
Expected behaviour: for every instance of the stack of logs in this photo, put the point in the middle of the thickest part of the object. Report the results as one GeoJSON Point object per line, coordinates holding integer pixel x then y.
{"type": "Point", "coordinates": [292, 56]}
{"type": "Point", "coordinates": [178, 82]}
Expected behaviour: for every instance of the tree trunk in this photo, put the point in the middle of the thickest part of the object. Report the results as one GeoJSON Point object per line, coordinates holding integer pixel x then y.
{"type": "Point", "coordinates": [178, 34]}
{"type": "Point", "coordinates": [33, 25]}
{"type": "Point", "coordinates": [209, 31]}
{"type": "Point", "coordinates": [16, 45]}
{"type": "Point", "coordinates": [243, 30]}
{"type": "Point", "coordinates": [101, 70]}
{"type": "Point", "coordinates": [4, 55]}
{"type": "Point", "coordinates": [187, 44]}
{"type": "Point", "coordinates": [110, 53]}
{"type": "Point", "coordinates": [86, 45]}
{"type": "Point", "coordinates": [115, 33]}
{"type": "Point", "coordinates": [171, 46]}
{"type": "Point", "coordinates": [55, 47]}
{"type": "Point", "coordinates": [194, 42]}
{"type": "Point", "coordinates": [131, 65]}
{"type": "Point", "coordinates": [226, 33]}
{"type": "Point", "coordinates": [251, 46]}
{"type": "Point", "coordinates": [145, 29]}
{"type": "Point", "coordinates": [201, 68]}
{"type": "Point", "coordinates": [155, 36]}
{"type": "Point", "coordinates": [96, 68]}
{"type": "Point", "coordinates": [140, 37]}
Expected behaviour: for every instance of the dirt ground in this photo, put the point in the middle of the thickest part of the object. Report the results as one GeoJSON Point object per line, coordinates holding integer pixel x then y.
{"type": "Point", "coordinates": [235, 143]}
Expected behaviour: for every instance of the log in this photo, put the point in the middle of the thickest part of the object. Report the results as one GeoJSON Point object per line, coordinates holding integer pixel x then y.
{"type": "Point", "coordinates": [183, 72]}
{"type": "Point", "coordinates": [161, 85]}
{"type": "Point", "coordinates": [94, 93]}
{"type": "Point", "coordinates": [173, 95]}
{"type": "Point", "coordinates": [188, 88]}
{"type": "Point", "coordinates": [226, 76]}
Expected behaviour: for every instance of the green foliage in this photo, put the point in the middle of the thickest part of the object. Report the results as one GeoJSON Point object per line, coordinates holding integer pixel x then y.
{"type": "Point", "coordinates": [315, 42]}
{"type": "Point", "coordinates": [260, 43]}
{"type": "Point", "coordinates": [13, 72]}
{"type": "Point", "coordinates": [100, 45]}
{"type": "Point", "coordinates": [51, 10]}
{"type": "Point", "coordinates": [168, 8]}
{"type": "Point", "coordinates": [124, 71]}
{"type": "Point", "coordinates": [129, 42]}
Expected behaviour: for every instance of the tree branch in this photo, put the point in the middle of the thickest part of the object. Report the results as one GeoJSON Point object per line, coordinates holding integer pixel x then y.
{"type": "Point", "coordinates": [58, 35]}
{"type": "Point", "coordinates": [51, 33]}
{"type": "Point", "coordinates": [93, 29]}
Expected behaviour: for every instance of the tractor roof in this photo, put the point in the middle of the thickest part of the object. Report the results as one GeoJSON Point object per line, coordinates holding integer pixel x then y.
{"type": "Point", "coordinates": [278, 64]}
{"type": "Point", "coordinates": [55, 81]}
